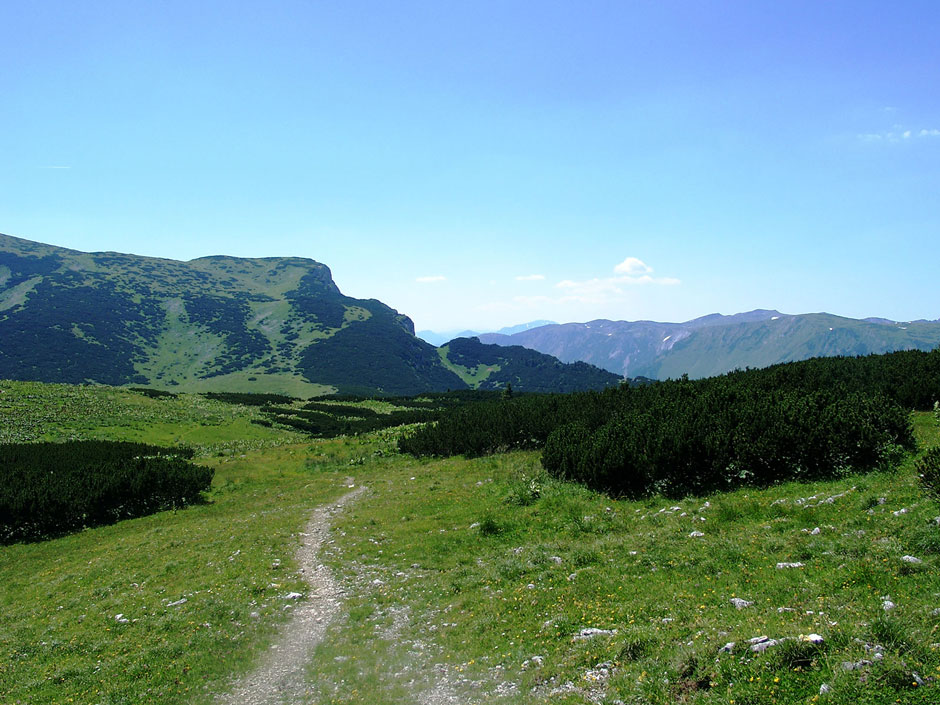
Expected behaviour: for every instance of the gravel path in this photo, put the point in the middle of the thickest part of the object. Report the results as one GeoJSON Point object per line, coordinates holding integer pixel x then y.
{"type": "Point", "coordinates": [279, 678]}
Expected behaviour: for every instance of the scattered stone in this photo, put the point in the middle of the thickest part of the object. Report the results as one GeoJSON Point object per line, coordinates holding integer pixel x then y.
{"type": "Point", "coordinates": [781, 566]}
{"type": "Point", "coordinates": [887, 605]}
{"type": "Point", "coordinates": [911, 559]}
{"type": "Point", "coordinates": [812, 638]}
{"type": "Point", "coordinates": [935, 613]}
{"type": "Point", "coordinates": [181, 601]}
{"type": "Point", "coordinates": [121, 619]}
{"type": "Point", "coordinates": [696, 534]}
{"type": "Point", "coordinates": [555, 559]}
{"type": "Point", "coordinates": [727, 648]}
{"type": "Point", "coordinates": [825, 688]}
{"type": "Point", "coordinates": [757, 639]}
{"type": "Point", "coordinates": [781, 610]}
{"type": "Point", "coordinates": [855, 665]}
{"type": "Point", "coordinates": [293, 596]}
{"type": "Point", "coordinates": [762, 646]}
{"type": "Point", "coordinates": [600, 672]}
{"type": "Point", "coordinates": [378, 581]}
{"type": "Point", "coordinates": [255, 615]}
{"type": "Point", "coordinates": [815, 532]}
{"type": "Point", "coordinates": [667, 620]}
{"type": "Point", "coordinates": [591, 632]}
{"type": "Point", "coordinates": [741, 604]}
{"type": "Point", "coordinates": [917, 679]}
{"type": "Point", "coordinates": [532, 662]}
{"type": "Point", "coordinates": [899, 512]}
{"type": "Point", "coordinates": [276, 563]}
{"type": "Point", "coordinates": [530, 586]}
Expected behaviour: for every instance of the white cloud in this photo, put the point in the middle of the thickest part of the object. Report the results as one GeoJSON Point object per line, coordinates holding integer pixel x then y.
{"type": "Point", "coordinates": [431, 280]}
{"type": "Point", "coordinates": [633, 266]}
{"type": "Point", "coordinates": [530, 278]}
{"type": "Point", "coordinates": [896, 135]}
{"type": "Point", "coordinates": [600, 290]}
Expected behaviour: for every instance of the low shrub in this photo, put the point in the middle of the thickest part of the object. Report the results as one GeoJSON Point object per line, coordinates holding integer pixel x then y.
{"type": "Point", "coordinates": [52, 488]}
{"type": "Point", "coordinates": [928, 469]}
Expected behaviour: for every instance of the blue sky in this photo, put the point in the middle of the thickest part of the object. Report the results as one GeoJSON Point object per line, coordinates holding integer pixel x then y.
{"type": "Point", "coordinates": [479, 164]}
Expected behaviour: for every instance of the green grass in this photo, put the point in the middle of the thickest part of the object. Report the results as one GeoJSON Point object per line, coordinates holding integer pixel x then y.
{"type": "Point", "coordinates": [32, 411]}
{"type": "Point", "coordinates": [461, 572]}
{"type": "Point", "coordinates": [474, 583]}
{"type": "Point", "coordinates": [473, 376]}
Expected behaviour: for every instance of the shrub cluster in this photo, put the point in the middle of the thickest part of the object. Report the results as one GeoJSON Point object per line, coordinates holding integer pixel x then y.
{"type": "Point", "coordinates": [800, 420]}
{"type": "Point", "coordinates": [51, 488]}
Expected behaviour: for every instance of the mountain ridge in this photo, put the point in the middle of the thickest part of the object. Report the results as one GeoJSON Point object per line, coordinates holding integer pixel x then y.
{"type": "Point", "coordinates": [715, 344]}
{"type": "Point", "coordinates": [215, 323]}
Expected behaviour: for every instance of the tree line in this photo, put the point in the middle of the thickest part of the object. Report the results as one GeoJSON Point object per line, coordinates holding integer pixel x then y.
{"type": "Point", "coordinates": [802, 420]}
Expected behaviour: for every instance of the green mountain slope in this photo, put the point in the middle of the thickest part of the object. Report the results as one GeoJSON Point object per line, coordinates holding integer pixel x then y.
{"type": "Point", "coordinates": [494, 367]}
{"type": "Point", "coordinates": [716, 344]}
{"type": "Point", "coordinates": [223, 323]}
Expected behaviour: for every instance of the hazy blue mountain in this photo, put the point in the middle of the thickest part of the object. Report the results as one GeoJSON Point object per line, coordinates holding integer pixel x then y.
{"type": "Point", "coordinates": [716, 344]}
{"type": "Point", "coordinates": [440, 337]}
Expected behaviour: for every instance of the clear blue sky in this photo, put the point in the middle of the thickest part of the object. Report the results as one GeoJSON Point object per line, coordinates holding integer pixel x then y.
{"type": "Point", "coordinates": [477, 164]}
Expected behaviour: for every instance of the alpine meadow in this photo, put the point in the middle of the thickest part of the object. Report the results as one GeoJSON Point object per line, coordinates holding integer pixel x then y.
{"type": "Point", "coordinates": [471, 353]}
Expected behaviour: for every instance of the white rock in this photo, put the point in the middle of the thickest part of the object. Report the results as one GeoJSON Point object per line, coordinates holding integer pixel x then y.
{"type": "Point", "coordinates": [727, 648]}
{"type": "Point", "coordinates": [911, 559]}
{"type": "Point", "coordinates": [899, 512]}
{"type": "Point", "coordinates": [762, 646]}
{"type": "Point", "coordinates": [121, 619]}
{"type": "Point", "coordinates": [740, 604]}
{"type": "Point", "coordinates": [888, 605]}
{"type": "Point", "coordinates": [293, 596]}
{"type": "Point", "coordinates": [696, 534]}
{"type": "Point", "coordinates": [815, 532]}
{"type": "Point", "coordinates": [824, 688]}
{"type": "Point", "coordinates": [781, 566]}
{"type": "Point", "coordinates": [591, 632]}
{"type": "Point", "coordinates": [181, 601]}
{"type": "Point", "coordinates": [812, 638]}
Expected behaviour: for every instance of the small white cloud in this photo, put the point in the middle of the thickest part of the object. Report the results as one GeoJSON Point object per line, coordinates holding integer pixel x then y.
{"type": "Point", "coordinates": [530, 278]}
{"type": "Point", "coordinates": [929, 133]}
{"type": "Point", "coordinates": [431, 279]}
{"type": "Point", "coordinates": [633, 266]}
{"type": "Point", "coordinates": [906, 135]}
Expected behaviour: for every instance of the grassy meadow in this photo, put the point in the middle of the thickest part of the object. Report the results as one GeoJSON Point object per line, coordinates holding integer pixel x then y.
{"type": "Point", "coordinates": [474, 580]}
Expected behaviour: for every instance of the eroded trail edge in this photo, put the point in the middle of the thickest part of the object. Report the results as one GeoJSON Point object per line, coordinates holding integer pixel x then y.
{"type": "Point", "coordinates": [280, 675]}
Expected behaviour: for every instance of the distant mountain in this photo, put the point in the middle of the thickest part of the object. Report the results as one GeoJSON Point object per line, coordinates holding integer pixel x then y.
{"type": "Point", "coordinates": [439, 338]}
{"type": "Point", "coordinates": [276, 324]}
{"type": "Point", "coordinates": [494, 367]}
{"type": "Point", "coordinates": [716, 344]}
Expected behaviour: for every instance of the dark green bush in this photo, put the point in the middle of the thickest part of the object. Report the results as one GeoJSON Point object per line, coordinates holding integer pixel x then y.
{"type": "Point", "coordinates": [928, 468]}
{"type": "Point", "coordinates": [51, 488]}
{"type": "Point", "coordinates": [806, 420]}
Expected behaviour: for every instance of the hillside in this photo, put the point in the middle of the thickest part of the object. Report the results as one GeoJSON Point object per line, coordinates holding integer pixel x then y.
{"type": "Point", "coordinates": [494, 367]}
{"type": "Point", "coordinates": [716, 344]}
{"type": "Point", "coordinates": [465, 580]}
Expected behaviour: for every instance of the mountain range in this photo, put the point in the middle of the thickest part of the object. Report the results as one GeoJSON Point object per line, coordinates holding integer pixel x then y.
{"type": "Point", "coordinates": [275, 324]}
{"type": "Point", "coordinates": [438, 338]}
{"type": "Point", "coordinates": [715, 344]}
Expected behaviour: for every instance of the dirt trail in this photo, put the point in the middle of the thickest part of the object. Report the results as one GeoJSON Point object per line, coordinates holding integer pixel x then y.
{"type": "Point", "coordinates": [279, 678]}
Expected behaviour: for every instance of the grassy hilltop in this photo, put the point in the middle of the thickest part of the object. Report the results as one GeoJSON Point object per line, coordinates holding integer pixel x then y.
{"type": "Point", "coordinates": [481, 579]}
